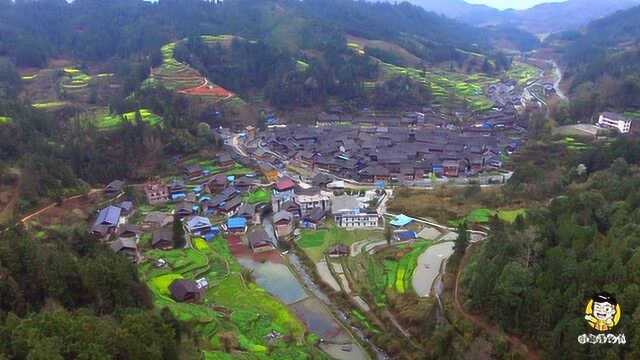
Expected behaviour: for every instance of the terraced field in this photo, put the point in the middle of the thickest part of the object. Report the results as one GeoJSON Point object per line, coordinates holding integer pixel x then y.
{"type": "Point", "coordinates": [388, 271]}
{"type": "Point", "coordinates": [106, 122]}
{"type": "Point", "coordinates": [230, 307]}
{"type": "Point", "coordinates": [181, 77]}
{"type": "Point", "coordinates": [75, 79]}
{"type": "Point", "coordinates": [466, 88]}
{"type": "Point", "coordinates": [315, 243]}
{"type": "Point", "coordinates": [173, 74]}
{"type": "Point", "coordinates": [523, 73]}
{"type": "Point", "coordinates": [50, 105]}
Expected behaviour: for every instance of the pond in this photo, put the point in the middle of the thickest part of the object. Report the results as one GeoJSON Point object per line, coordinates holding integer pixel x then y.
{"type": "Point", "coordinates": [276, 279]}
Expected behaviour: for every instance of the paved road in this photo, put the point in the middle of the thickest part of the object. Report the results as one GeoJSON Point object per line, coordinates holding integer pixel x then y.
{"type": "Point", "coordinates": [428, 267]}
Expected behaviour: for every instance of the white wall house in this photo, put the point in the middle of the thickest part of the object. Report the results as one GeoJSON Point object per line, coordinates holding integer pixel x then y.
{"type": "Point", "coordinates": [309, 200]}
{"type": "Point", "coordinates": [615, 121]}
{"type": "Point", "coordinates": [348, 213]}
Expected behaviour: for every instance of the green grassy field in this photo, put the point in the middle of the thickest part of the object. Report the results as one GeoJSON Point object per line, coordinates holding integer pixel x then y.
{"type": "Point", "coordinates": [388, 271]}
{"type": "Point", "coordinates": [258, 196]}
{"type": "Point", "coordinates": [53, 105]}
{"type": "Point", "coordinates": [482, 216]}
{"type": "Point", "coordinates": [573, 144]}
{"type": "Point", "coordinates": [75, 79]}
{"type": "Point", "coordinates": [113, 121]}
{"type": "Point", "coordinates": [301, 66]}
{"type": "Point", "coordinates": [238, 170]}
{"type": "Point", "coordinates": [466, 88]}
{"type": "Point", "coordinates": [29, 77]}
{"type": "Point", "coordinates": [242, 309]}
{"type": "Point", "coordinates": [523, 73]}
{"type": "Point", "coordinates": [315, 243]}
{"type": "Point", "coordinates": [200, 244]}
{"type": "Point", "coordinates": [4, 120]}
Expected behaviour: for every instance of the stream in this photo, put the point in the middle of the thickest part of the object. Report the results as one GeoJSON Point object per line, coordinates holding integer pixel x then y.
{"type": "Point", "coordinates": [302, 296]}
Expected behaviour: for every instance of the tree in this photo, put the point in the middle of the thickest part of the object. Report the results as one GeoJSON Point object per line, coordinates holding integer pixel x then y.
{"type": "Point", "coordinates": [388, 234]}
{"type": "Point", "coordinates": [462, 241]}
{"type": "Point", "coordinates": [179, 241]}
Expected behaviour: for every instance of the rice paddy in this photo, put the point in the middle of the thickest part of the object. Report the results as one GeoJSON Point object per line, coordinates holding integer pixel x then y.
{"type": "Point", "coordinates": [229, 305]}
{"type": "Point", "coordinates": [523, 73]}
{"type": "Point", "coordinates": [113, 121]}
{"type": "Point", "coordinates": [357, 48]}
{"type": "Point", "coordinates": [444, 84]}
{"type": "Point", "coordinates": [575, 145]}
{"type": "Point", "coordinates": [29, 77]}
{"type": "Point", "coordinates": [316, 243]}
{"type": "Point", "coordinates": [258, 196]}
{"type": "Point", "coordinates": [173, 74]}
{"type": "Point", "coordinates": [53, 105]}
{"type": "Point", "coordinates": [75, 79]}
{"type": "Point", "coordinates": [390, 270]}
{"type": "Point", "coordinates": [301, 66]}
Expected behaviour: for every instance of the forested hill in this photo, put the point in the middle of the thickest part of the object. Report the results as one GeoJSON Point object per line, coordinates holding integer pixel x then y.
{"type": "Point", "coordinates": [534, 278]}
{"type": "Point", "coordinates": [95, 30]}
{"type": "Point", "coordinates": [603, 62]}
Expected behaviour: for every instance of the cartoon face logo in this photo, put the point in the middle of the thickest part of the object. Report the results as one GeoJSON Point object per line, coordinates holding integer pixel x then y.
{"type": "Point", "coordinates": [602, 312]}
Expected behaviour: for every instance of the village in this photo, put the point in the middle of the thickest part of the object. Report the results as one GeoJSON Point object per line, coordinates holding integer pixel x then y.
{"type": "Point", "coordinates": [262, 217]}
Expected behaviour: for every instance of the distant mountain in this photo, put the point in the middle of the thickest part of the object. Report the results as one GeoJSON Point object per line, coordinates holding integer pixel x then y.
{"type": "Point", "coordinates": [572, 14]}
{"type": "Point", "coordinates": [540, 19]}
{"type": "Point", "coordinates": [606, 53]}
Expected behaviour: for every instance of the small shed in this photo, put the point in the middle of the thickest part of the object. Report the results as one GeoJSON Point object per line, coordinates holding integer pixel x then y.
{"type": "Point", "coordinates": [184, 290]}
{"type": "Point", "coordinates": [162, 239]}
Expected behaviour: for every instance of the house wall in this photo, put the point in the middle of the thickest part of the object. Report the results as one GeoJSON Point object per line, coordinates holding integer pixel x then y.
{"type": "Point", "coordinates": [620, 125]}
{"type": "Point", "coordinates": [356, 220]}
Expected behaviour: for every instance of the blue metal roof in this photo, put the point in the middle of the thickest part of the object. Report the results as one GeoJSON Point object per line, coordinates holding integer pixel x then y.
{"type": "Point", "coordinates": [406, 235]}
{"type": "Point", "coordinates": [197, 222]}
{"type": "Point", "coordinates": [109, 216]}
{"type": "Point", "coordinates": [212, 233]}
{"type": "Point", "coordinates": [236, 223]}
{"type": "Point", "coordinates": [178, 195]}
{"type": "Point", "coordinates": [401, 220]}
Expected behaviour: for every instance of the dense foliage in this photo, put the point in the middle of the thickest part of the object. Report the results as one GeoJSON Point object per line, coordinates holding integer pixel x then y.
{"type": "Point", "coordinates": [536, 276]}
{"type": "Point", "coordinates": [64, 295]}
{"type": "Point", "coordinates": [603, 64]}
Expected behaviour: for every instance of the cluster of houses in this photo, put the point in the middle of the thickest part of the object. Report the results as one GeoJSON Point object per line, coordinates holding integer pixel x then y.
{"type": "Point", "coordinates": [209, 205]}
{"type": "Point", "coordinates": [369, 154]}
{"type": "Point", "coordinates": [218, 204]}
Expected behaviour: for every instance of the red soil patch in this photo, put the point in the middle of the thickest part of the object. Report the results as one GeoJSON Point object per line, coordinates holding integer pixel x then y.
{"type": "Point", "coordinates": [207, 90]}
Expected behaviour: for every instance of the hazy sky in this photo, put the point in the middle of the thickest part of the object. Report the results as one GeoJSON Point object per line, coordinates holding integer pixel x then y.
{"type": "Point", "coordinates": [513, 4]}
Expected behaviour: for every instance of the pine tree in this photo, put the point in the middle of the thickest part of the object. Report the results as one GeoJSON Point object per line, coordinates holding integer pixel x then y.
{"type": "Point", "coordinates": [462, 241]}
{"type": "Point", "coordinates": [178, 234]}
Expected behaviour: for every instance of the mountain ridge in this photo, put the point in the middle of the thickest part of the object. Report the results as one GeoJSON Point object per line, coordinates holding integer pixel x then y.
{"type": "Point", "coordinates": [540, 19]}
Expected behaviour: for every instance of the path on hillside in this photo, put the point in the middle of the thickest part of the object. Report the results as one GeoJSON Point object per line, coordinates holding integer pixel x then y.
{"type": "Point", "coordinates": [480, 322]}
{"type": "Point", "coordinates": [556, 83]}
{"type": "Point", "coordinates": [54, 204]}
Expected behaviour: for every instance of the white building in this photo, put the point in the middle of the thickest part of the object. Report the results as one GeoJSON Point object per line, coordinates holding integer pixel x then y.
{"type": "Point", "coordinates": [615, 121]}
{"type": "Point", "coordinates": [348, 213]}
{"type": "Point", "coordinates": [312, 198]}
